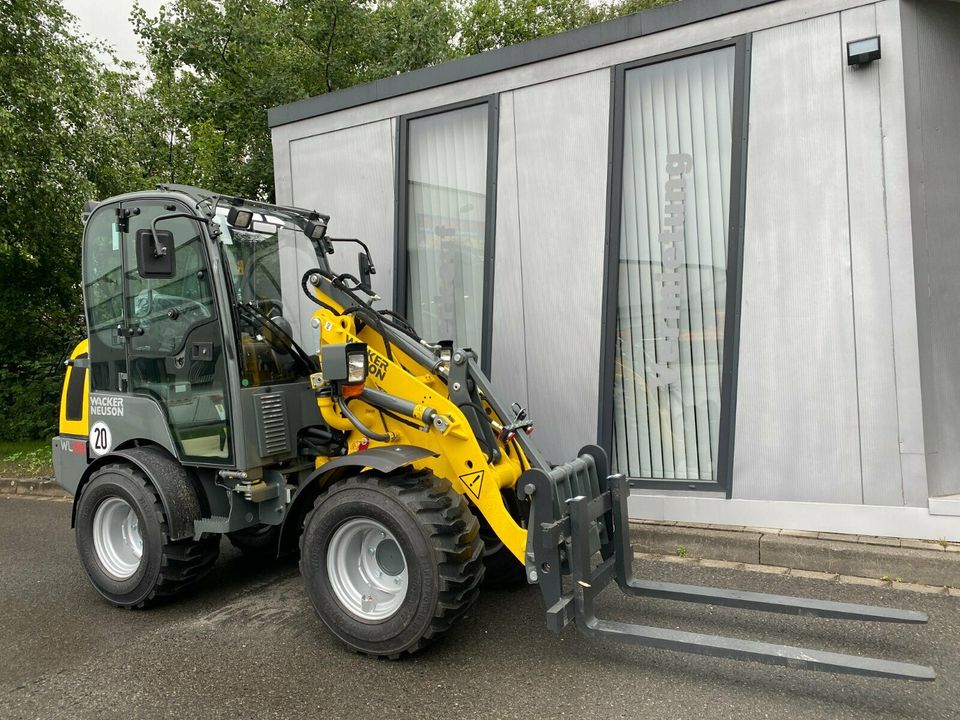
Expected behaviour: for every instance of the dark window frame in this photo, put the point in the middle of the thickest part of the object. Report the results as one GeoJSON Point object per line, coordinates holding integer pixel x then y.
{"type": "Point", "coordinates": [732, 303]}
{"type": "Point", "coordinates": [400, 289]}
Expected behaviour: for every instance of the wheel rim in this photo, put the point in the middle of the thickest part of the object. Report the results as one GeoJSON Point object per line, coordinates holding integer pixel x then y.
{"type": "Point", "coordinates": [367, 569]}
{"type": "Point", "coordinates": [116, 538]}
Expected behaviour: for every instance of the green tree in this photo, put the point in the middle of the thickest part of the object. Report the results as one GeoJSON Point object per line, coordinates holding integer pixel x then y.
{"type": "Point", "coordinates": [67, 133]}
{"type": "Point", "coordinates": [490, 24]}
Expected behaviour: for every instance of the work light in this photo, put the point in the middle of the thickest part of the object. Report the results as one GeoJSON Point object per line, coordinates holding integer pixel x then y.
{"type": "Point", "coordinates": [239, 217]}
{"type": "Point", "coordinates": [357, 366]}
{"type": "Point", "coordinates": [345, 366]}
{"type": "Point", "coordinates": [445, 351]}
{"type": "Point", "coordinates": [315, 229]}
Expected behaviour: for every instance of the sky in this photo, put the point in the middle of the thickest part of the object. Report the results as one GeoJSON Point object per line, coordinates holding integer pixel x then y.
{"type": "Point", "coordinates": [110, 20]}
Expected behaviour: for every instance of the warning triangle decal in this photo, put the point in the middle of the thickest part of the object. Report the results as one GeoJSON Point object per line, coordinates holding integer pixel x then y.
{"type": "Point", "coordinates": [473, 481]}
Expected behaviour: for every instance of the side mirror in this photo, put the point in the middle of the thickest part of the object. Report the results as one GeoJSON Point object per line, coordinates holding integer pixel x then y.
{"type": "Point", "coordinates": [155, 255]}
{"type": "Point", "coordinates": [366, 270]}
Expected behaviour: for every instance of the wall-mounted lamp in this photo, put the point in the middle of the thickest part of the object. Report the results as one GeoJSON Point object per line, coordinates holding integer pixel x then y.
{"type": "Point", "coordinates": [863, 52]}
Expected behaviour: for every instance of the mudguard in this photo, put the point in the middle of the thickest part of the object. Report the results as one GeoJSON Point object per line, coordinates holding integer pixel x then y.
{"type": "Point", "coordinates": [381, 459]}
{"type": "Point", "coordinates": [177, 493]}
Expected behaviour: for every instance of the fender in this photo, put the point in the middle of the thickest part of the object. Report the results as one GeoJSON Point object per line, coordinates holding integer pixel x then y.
{"type": "Point", "coordinates": [177, 493]}
{"type": "Point", "coordinates": [385, 459]}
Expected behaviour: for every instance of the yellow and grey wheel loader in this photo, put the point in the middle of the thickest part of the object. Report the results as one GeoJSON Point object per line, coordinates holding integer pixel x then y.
{"type": "Point", "coordinates": [193, 410]}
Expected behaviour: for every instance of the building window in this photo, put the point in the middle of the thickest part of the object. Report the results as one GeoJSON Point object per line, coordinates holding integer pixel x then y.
{"type": "Point", "coordinates": [447, 169]}
{"type": "Point", "coordinates": [673, 274]}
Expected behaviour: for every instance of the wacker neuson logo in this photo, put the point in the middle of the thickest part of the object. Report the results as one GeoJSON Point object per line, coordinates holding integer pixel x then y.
{"type": "Point", "coordinates": [672, 280]}
{"type": "Point", "coordinates": [106, 405]}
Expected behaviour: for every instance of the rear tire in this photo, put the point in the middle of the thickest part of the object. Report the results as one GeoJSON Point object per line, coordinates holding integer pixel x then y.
{"type": "Point", "coordinates": [259, 542]}
{"type": "Point", "coordinates": [391, 562]}
{"type": "Point", "coordinates": [124, 544]}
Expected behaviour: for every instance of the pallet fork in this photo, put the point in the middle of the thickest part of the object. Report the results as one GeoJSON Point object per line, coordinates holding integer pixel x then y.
{"type": "Point", "coordinates": [578, 511]}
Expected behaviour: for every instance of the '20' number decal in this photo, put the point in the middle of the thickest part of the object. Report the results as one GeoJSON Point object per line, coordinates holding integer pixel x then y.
{"type": "Point", "coordinates": [100, 440]}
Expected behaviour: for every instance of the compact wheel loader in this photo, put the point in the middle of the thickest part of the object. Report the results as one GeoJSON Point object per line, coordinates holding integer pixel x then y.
{"type": "Point", "coordinates": [192, 411]}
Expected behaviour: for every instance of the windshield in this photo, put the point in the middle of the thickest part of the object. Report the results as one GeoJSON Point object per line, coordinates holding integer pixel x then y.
{"type": "Point", "coordinates": [264, 262]}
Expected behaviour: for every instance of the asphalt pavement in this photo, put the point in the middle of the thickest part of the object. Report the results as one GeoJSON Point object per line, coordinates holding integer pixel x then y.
{"type": "Point", "coordinates": [246, 644]}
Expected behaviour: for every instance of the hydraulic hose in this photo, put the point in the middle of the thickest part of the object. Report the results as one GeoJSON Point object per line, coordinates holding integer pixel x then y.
{"type": "Point", "coordinates": [372, 434]}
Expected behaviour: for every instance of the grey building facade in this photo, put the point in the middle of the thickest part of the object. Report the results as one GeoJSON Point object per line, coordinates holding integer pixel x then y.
{"type": "Point", "coordinates": [698, 235]}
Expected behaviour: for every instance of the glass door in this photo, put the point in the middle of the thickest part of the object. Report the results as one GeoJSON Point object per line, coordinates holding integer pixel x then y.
{"type": "Point", "coordinates": [175, 343]}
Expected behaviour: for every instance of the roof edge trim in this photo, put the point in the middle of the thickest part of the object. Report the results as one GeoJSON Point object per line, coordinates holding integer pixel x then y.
{"type": "Point", "coordinates": [647, 22]}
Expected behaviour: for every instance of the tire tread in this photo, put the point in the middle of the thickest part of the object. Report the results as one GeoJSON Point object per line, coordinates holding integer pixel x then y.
{"type": "Point", "coordinates": [454, 533]}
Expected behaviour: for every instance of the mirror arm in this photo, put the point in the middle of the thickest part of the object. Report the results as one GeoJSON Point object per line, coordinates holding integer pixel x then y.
{"type": "Point", "coordinates": [160, 251]}
{"type": "Point", "coordinates": [366, 250]}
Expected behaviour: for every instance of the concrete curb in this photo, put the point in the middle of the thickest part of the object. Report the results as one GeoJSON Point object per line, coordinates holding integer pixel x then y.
{"type": "Point", "coordinates": [36, 487]}
{"type": "Point", "coordinates": [892, 559]}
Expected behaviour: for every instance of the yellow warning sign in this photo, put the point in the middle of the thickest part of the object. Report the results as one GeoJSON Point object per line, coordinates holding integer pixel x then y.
{"type": "Point", "coordinates": [473, 481]}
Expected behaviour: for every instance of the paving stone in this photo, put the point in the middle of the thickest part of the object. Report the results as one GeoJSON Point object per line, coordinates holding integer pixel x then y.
{"type": "Point", "coordinates": [856, 580]}
{"type": "Point", "coordinates": [813, 574]}
{"type": "Point", "coordinates": [921, 545]}
{"type": "Point", "coordinates": [799, 533]}
{"type": "Point", "coordinates": [767, 569]}
{"type": "Point", "coordinates": [915, 587]}
{"type": "Point", "coordinates": [726, 528]}
{"type": "Point", "coordinates": [837, 537]}
{"type": "Point", "coordinates": [876, 540]}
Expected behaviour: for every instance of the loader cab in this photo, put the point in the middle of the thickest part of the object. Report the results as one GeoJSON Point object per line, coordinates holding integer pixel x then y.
{"type": "Point", "coordinates": [152, 334]}
{"type": "Point", "coordinates": [193, 330]}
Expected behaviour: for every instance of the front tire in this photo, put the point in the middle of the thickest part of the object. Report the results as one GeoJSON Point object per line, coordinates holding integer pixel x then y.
{"type": "Point", "coordinates": [391, 562]}
{"type": "Point", "coordinates": [124, 544]}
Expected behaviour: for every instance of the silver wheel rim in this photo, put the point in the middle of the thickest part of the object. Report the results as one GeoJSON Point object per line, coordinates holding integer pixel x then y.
{"type": "Point", "coordinates": [116, 538]}
{"type": "Point", "coordinates": [367, 569]}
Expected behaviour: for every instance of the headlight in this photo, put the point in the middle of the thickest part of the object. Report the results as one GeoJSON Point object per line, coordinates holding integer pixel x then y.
{"type": "Point", "coordinates": [346, 363]}
{"type": "Point", "coordinates": [356, 367]}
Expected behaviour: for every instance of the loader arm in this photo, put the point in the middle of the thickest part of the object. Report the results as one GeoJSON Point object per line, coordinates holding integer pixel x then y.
{"type": "Point", "coordinates": [411, 401]}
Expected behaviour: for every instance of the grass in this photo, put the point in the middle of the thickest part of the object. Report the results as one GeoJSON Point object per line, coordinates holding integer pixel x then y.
{"type": "Point", "coordinates": [25, 459]}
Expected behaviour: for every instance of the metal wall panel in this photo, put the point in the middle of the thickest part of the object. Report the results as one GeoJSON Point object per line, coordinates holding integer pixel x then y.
{"type": "Point", "coordinates": [899, 82]}
{"type": "Point", "coordinates": [936, 189]}
{"type": "Point", "coordinates": [561, 154]}
{"type": "Point", "coordinates": [508, 367]}
{"type": "Point", "coordinates": [873, 320]}
{"type": "Point", "coordinates": [350, 175]}
{"type": "Point", "coordinates": [797, 433]}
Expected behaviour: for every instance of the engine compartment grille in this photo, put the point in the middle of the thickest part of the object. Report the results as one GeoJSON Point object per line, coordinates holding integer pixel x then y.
{"type": "Point", "coordinates": [273, 432]}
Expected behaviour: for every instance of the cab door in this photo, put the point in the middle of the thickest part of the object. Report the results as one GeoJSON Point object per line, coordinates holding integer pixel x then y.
{"type": "Point", "coordinates": [158, 336]}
